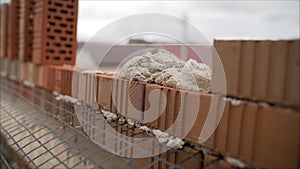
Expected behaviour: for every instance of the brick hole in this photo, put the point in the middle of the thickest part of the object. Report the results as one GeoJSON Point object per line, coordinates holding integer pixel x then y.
{"type": "Point", "coordinates": [57, 44]}
{"type": "Point", "coordinates": [70, 6]}
{"type": "Point", "coordinates": [57, 4]}
{"type": "Point", "coordinates": [50, 37]}
{"type": "Point", "coordinates": [71, 26]}
{"type": "Point", "coordinates": [49, 17]}
{"type": "Point", "coordinates": [64, 11]}
{"type": "Point", "coordinates": [72, 13]}
{"type": "Point", "coordinates": [56, 58]}
{"type": "Point", "coordinates": [70, 19]}
{"type": "Point", "coordinates": [47, 44]}
{"type": "Point", "coordinates": [68, 45]}
{"type": "Point", "coordinates": [58, 17]}
{"type": "Point", "coordinates": [62, 51]}
{"type": "Point", "coordinates": [71, 39]}
{"type": "Point", "coordinates": [63, 38]}
{"type": "Point", "coordinates": [63, 25]}
{"type": "Point", "coordinates": [48, 29]}
{"type": "Point", "coordinates": [57, 30]}
{"type": "Point", "coordinates": [52, 9]}
{"type": "Point", "coordinates": [49, 2]}
{"type": "Point", "coordinates": [68, 58]}
{"type": "Point", "coordinates": [47, 57]}
{"type": "Point", "coordinates": [49, 51]}
{"type": "Point", "coordinates": [70, 52]}
{"type": "Point", "coordinates": [52, 23]}
{"type": "Point", "coordinates": [69, 32]}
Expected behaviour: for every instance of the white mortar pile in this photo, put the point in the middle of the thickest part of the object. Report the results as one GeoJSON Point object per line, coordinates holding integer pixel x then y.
{"type": "Point", "coordinates": [164, 68]}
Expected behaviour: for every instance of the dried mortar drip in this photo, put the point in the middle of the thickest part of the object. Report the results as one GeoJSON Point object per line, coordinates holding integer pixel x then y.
{"type": "Point", "coordinates": [145, 128]}
{"type": "Point", "coordinates": [3, 74]}
{"type": "Point", "coordinates": [66, 98]}
{"type": "Point", "coordinates": [94, 72]}
{"type": "Point", "coordinates": [29, 84]}
{"type": "Point", "coordinates": [234, 102]}
{"type": "Point", "coordinates": [162, 67]}
{"type": "Point", "coordinates": [162, 137]}
{"type": "Point", "coordinates": [109, 116]}
{"type": "Point", "coordinates": [12, 77]}
{"type": "Point", "coordinates": [235, 162]}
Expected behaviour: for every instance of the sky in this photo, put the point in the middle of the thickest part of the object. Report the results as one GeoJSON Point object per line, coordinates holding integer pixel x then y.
{"type": "Point", "coordinates": [214, 19]}
{"type": "Point", "coordinates": [243, 19]}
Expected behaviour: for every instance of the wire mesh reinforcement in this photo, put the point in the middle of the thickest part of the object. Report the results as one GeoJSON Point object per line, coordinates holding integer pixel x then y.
{"type": "Point", "coordinates": [37, 131]}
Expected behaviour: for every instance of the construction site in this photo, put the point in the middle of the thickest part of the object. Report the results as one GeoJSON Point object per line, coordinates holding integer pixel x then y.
{"type": "Point", "coordinates": [240, 108]}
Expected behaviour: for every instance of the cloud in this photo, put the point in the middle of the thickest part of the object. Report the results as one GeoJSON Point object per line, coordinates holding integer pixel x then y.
{"type": "Point", "coordinates": [225, 19]}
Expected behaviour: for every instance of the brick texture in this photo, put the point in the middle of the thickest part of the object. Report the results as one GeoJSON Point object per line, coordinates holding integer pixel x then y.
{"type": "Point", "coordinates": [3, 30]}
{"type": "Point", "coordinates": [55, 25]}
{"type": "Point", "coordinates": [262, 70]}
{"type": "Point", "coordinates": [13, 30]}
{"type": "Point", "coordinates": [26, 16]}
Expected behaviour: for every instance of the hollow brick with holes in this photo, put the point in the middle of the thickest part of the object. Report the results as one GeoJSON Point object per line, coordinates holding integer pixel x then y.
{"type": "Point", "coordinates": [55, 25]}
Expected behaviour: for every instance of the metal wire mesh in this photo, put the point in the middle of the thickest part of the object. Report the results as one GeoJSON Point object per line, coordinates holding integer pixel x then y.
{"type": "Point", "coordinates": [37, 131]}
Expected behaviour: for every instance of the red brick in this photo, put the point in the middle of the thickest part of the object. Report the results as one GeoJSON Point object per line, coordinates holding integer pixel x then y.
{"type": "Point", "coordinates": [292, 89]}
{"type": "Point", "coordinates": [13, 30]}
{"type": "Point", "coordinates": [58, 79]}
{"type": "Point", "coordinates": [40, 79]}
{"type": "Point", "coordinates": [213, 162]}
{"type": "Point", "coordinates": [261, 66]}
{"type": "Point", "coordinates": [246, 70]}
{"type": "Point", "coordinates": [164, 107]}
{"type": "Point", "coordinates": [13, 69]}
{"type": "Point", "coordinates": [3, 29]}
{"type": "Point", "coordinates": [104, 91]}
{"type": "Point", "coordinates": [26, 30]}
{"type": "Point", "coordinates": [234, 130]}
{"type": "Point", "coordinates": [240, 127]}
{"type": "Point", "coordinates": [276, 143]}
{"type": "Point", "coordinates": [202, 115]}
{"type": "Point", "coordinates": [229, 53]}
{"type": "Point", "coordinates": [128, 98]}
{"type": "Point", "coordinates": [248, 130]}
{"type": "Point", "coordinates": [22, 70]}
{"type": "Point", "coordinates": [87, 88]}
{"type": "Point", "coordinates": [55, 27]}
{"type": "Point", "coordinates": [69, 72]}
{"type": "Point", "coordinates": [277, 71]}
{"type": "Point", "coordinates": [261, 70]}
{"type": "Point", "coordinates": [49, 79]}
{"type": "Point", "coordinates": [190, 162]}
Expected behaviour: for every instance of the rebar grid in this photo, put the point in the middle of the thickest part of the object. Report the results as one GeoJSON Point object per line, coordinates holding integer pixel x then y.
{"type": "Point", "coordinates": [37, 131]}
